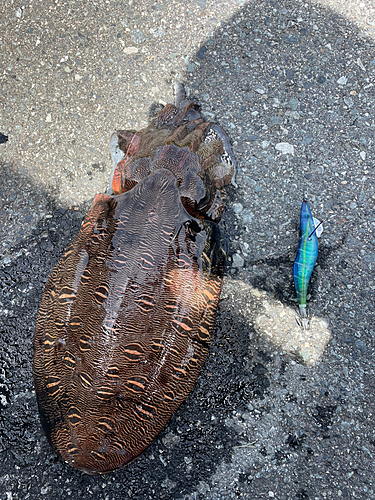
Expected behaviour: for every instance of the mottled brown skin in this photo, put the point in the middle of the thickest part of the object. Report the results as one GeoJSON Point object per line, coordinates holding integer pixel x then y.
{"type": "Point", "coordinates": [127, 315]}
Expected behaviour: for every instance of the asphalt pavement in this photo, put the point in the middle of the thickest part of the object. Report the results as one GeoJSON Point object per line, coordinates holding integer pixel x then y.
{"type": "Point", "coordinates": [277, 412]}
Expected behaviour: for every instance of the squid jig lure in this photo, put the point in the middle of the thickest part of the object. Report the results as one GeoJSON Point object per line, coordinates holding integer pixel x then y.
{"type": "Point", "coordinates": [307, 253]}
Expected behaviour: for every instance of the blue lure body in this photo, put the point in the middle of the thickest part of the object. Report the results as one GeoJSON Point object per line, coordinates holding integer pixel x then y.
{"type": "Point", "coordinates": [307, 254]}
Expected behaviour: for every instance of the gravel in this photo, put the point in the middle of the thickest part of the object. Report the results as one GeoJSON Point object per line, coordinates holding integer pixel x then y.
{"type": "Point", "coordinates": [277, 412]}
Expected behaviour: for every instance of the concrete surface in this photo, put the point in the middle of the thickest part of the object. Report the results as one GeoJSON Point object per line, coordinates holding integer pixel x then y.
{"type": "Point", "coordinates": [275, 413]}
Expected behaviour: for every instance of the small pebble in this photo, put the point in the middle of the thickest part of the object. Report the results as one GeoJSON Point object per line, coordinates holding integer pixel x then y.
{"type": "Point", "coordinates": [360, 64]}
{"type": "Point", "coordinates": [342, 81]}
{"type": "Point", "coordinates": [247, 216]}
{"type": "Point", "coordinates": [285, 148]}
{"type": "Point", "coordinates": [237, 208]}
{"type": "Point", "coordinates": [237, 260]}
{"type": "Point", "coordinates": [19, 12]}
{"type": "Point", "coordinates": [260, 89]}
{"type": "Point", "coordinates": [131, 50]}
{"type": "Point", "coordinates": [293, 103]}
